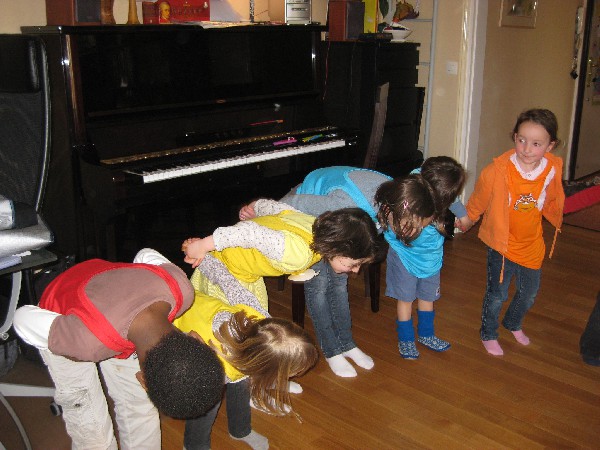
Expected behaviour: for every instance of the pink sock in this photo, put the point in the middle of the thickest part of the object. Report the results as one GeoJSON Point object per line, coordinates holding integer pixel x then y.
{"type": "Point", "coordinates": [493, 347]}
{"type": "Point", "coordinates": [520, 337]}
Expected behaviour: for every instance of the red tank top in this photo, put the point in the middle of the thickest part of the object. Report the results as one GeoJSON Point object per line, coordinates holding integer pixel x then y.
{"type": "Point", "coordinates": [66, 295]}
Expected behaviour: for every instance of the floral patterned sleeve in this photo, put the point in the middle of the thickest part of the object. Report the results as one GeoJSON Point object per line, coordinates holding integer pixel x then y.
{"type": "Point", "coordinates": [217, 273]}
{"type": "Point", "coordinates": [266, 207]}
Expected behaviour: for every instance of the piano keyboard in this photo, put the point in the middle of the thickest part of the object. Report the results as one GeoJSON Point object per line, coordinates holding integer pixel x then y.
{"type": "Point", "coordinates": [184, 170]}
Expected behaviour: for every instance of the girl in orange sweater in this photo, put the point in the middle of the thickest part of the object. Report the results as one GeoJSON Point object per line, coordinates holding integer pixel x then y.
{"type": "Point", "coordinates": [513, 193]}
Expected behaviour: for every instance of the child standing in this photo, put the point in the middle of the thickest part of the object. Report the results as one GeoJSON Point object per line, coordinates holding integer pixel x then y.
{"type": "Point", "coordinates": [259, 354]}
{"type": "Point", "coordinates": [119, 315]}
{"type": "Point", "coordinates": [415, 254]}
{"type": "Point", "coordinates": [513, 193]}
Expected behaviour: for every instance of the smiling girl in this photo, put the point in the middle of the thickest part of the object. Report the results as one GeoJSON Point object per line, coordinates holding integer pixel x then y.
{"type": "Point", "coordinates": [513, 193]}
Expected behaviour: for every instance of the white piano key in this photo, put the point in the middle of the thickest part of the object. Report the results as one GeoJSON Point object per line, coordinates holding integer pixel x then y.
{"type": "Point", "coordinates": [192, 169]}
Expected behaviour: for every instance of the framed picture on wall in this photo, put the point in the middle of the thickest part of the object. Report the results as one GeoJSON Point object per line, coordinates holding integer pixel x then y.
{"type": "Point", "coordinates": [518, 13]}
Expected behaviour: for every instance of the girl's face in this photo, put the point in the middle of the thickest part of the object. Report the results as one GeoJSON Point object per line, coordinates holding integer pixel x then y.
{"type": "Point", "coordinates": [531, 143]}
{"type": "Point", "coordinates": [343, 264]}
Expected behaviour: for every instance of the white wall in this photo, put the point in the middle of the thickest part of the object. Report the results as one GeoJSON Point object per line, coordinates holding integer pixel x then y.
{"type": "Point", "coordinates": [526, 68]}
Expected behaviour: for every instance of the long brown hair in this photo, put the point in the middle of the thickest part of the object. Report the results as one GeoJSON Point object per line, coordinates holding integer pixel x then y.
{"type": "Point", "coordinates": [403, 204]}
{"type": "Point", "coordinates": [270, 351]}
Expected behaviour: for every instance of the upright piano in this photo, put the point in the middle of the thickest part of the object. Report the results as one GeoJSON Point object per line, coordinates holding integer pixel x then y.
{"type": "Point", "coordinates": [163, 131]}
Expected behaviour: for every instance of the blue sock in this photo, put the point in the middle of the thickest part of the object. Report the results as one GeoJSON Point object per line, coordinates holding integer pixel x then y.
{"type": "Point", "coordinates": [405, 330]}
{"type": "Point", "coordinates": [425, 325]}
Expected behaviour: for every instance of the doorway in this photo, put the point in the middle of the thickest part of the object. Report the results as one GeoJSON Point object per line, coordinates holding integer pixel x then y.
{"type": "Point", "coordinates": [585, 152]}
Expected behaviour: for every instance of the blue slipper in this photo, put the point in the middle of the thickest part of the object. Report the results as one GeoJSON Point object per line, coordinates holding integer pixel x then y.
{"type": "Point", "coordinates": [408, 349]}
{"type": "Point", "coordinates": [434, 343]}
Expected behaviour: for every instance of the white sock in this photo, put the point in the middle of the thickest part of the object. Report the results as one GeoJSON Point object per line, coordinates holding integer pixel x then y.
{"type": "Point", "coordinates": [360, 358]}
{"type": "Point", "coordinates": [150, 256]}
{"type": "Point", "coordinates": [341, 367]}
{"type": "Point", "coordinates": [255, 440]}
{"type": "Point", "coordinates": [294, 387]}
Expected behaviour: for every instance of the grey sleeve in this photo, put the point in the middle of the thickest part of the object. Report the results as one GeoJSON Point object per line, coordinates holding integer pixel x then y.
{"type": "Point", "coordinates": [458, 208]}
{"type": "Point", "coordinates": [315, 205]}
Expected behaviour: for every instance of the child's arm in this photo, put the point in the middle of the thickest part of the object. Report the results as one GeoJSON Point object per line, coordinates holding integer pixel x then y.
{"type": "Point", "coordinates": [195, 249]}
{"type": "Point", "coordinates": [263, 207]}
{"type": "Point", "coordinates": [315, 205]}
{"type": "Point", "coordinates": [33, 323]}
{"type": "Point", "coordinates": [217, 273]}
{"type": "Point", "coordinates": [482, 194]}
{"type": "Point", "coordinates": [462, 222]}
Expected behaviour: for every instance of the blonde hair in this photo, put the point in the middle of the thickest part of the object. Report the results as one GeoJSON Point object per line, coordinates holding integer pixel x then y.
{"type": "Point", "coordinates": [270, 351]}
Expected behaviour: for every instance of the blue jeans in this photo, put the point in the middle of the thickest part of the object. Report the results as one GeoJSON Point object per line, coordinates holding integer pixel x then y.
{"type": "Point", "coordinates": [527, 285]}
{"type": "Point", "coordinates": [327, 302]}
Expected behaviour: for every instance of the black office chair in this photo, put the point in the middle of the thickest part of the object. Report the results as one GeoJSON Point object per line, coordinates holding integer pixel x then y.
{"type": "Point", "coordinates": [24, 156]}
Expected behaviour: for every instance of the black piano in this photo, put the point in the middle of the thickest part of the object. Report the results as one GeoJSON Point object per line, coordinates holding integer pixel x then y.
{"type": "Point", "coordinates": [161, 132]}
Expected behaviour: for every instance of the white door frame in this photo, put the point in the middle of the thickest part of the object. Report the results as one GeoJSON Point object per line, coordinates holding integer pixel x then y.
{"type": "Point", "coordinates": [474, 38]}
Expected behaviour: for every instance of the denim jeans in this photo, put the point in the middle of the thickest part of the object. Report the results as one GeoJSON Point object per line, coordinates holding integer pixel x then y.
{"type": "Point", "coordinates": [327, 302]}
{"type": "Point", "coordinates": [527, 285]}
{"type": "Point", "coordinates": [237, 395]}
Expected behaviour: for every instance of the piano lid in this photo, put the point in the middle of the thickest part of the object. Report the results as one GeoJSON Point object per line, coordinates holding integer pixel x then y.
{"type": "Point", "coordinates": [142, 68]}
{"type": "Point", "coordinates": [147, 88]}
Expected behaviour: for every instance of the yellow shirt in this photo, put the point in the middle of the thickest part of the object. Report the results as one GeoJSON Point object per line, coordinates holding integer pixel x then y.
{"type": "Point", "coordinates": [249, 265]}
{"type": "Point", "coordinates": [200, 318]}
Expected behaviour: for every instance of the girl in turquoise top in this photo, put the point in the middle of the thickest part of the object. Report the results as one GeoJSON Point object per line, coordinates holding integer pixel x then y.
{"type": "Point", "coordinates": [415, 255]}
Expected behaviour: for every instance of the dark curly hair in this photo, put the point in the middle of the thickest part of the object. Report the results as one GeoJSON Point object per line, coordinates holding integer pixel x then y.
{"type": "Point", "coordinates": [184, 377]}
{"type": "Point", "coordinates": [447, 178]}
{"type": "Point", "coordinates": [348, 232]}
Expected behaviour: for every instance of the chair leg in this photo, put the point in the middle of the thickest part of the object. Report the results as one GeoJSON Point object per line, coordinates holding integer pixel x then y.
{"type": "Point", "coordinates": [281, 283]}
{"type": "Point", "coordinates": [373, 284]}
{"type": "Point", "coordinates": [298, 303]}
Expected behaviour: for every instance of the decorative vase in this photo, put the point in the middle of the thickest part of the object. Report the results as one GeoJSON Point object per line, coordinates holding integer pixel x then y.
{"type": "Point", "coordinates": [106, 12]}
{"type": "Point", "coordinates": [132, 17]}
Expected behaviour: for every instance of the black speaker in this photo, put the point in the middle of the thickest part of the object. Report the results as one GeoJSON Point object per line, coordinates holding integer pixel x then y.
{"type": "Point", "coordinates": [24, 119]}
{"type": "Point", "coordinates": [345, 19]}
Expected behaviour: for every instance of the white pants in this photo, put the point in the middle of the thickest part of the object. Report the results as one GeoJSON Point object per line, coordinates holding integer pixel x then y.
{"type": "Point", "coordinates": [85, 410]}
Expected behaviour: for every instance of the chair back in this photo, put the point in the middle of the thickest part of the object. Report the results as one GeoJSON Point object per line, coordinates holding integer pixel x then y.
{"type": "Point", "coordinates": [24, 119]}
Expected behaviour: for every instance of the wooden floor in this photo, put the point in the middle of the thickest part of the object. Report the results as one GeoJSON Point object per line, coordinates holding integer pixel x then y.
{"type": "Point", "coordinates": [540, 396]}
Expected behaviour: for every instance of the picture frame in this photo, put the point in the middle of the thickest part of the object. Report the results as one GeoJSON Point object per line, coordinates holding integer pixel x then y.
{"type": "Point", "coordinates": [518, 13]}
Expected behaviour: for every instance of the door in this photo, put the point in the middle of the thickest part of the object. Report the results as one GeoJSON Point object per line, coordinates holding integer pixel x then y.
{"type": "Point", "coordinates": [585, 158]}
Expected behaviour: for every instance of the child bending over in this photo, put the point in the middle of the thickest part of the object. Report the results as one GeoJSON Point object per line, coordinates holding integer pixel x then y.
{"type": "Point", "coordinates": [119, 315]}
{"type": "Point", "coordinates": [513, 194]}
{"type": "Point", "coordinates": [277, 239]}
{"type": "Point", "coordinates": [259, 354]}
{"type": "Point", "coordinates": [408, 209]}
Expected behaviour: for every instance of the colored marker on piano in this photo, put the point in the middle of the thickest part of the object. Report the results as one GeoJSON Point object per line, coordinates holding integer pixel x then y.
{"type": "Point", "coordinates": [312, 138]}
{"type": "Point", "coordinates": [288, 140]}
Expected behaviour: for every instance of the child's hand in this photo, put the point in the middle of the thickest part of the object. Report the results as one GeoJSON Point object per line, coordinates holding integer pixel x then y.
{"type": "Point", "coordinates": [247, 212]}
{"type": "Point", "coordinates": [464, 224]}
{"type": "Point", "coordinates": [195, 250]}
